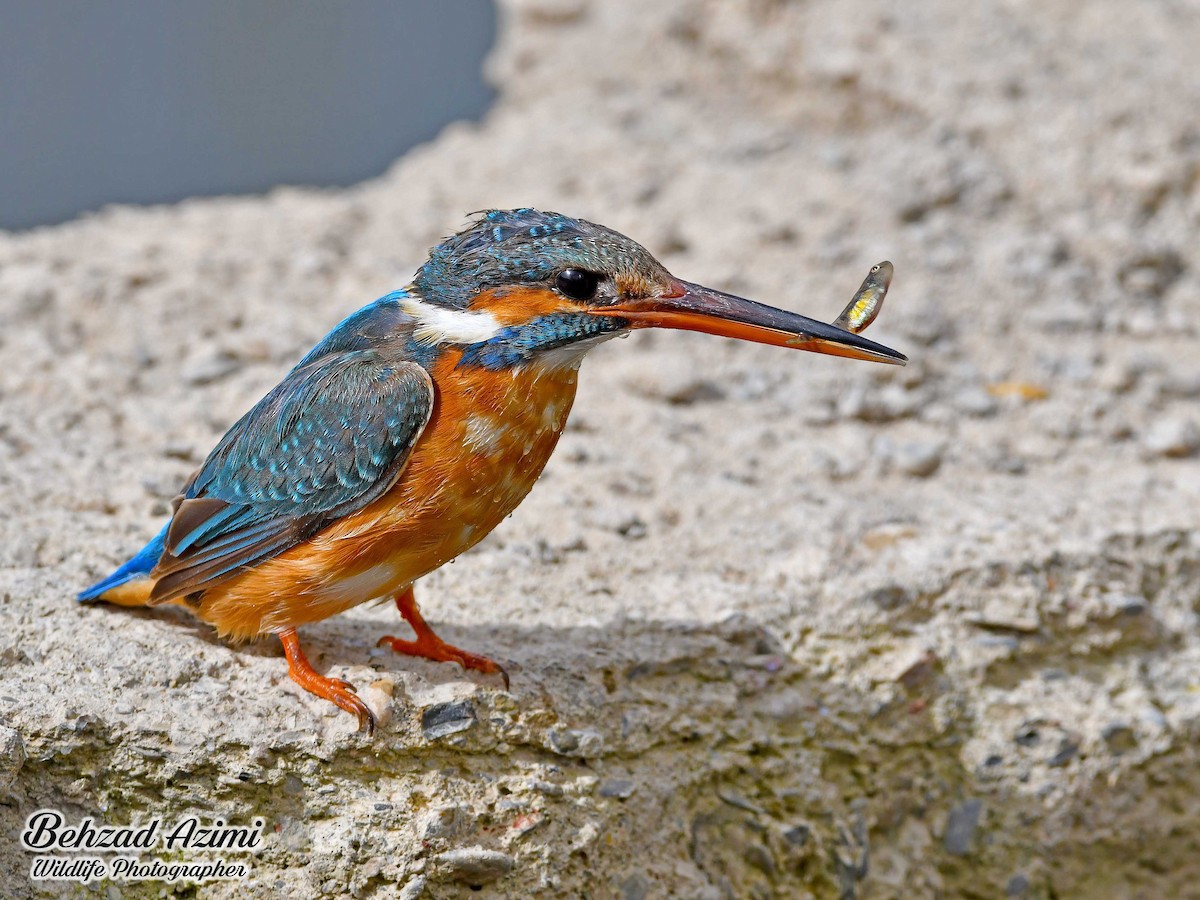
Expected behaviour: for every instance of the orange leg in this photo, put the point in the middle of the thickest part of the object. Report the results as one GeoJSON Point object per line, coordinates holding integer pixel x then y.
{"type": "Point", "coordinates": [430, 646]}
{"type": "Point", "coordinates": [340, 692]}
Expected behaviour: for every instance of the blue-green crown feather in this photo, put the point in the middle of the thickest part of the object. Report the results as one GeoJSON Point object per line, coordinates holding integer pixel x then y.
{"type": "Point", "coordinates": [523, 246]}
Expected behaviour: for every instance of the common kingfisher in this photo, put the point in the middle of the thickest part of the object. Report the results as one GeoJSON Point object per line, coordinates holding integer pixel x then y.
{"type": "Point", "coordinates": [415, 427]}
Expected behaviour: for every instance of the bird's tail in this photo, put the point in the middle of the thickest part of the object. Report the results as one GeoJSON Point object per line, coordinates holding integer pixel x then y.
{"type": "Point", "coordinates": [129, 585]}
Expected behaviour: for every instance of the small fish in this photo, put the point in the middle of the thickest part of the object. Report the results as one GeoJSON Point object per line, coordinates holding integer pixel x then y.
{"type": "Point", "coordinates": [868, 301]}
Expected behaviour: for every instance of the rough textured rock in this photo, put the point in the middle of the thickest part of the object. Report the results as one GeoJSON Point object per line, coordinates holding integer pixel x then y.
{"type": "Point", "coordinates": [751, 655]}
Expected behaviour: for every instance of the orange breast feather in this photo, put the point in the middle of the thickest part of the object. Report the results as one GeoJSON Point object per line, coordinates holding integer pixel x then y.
{"type": "Point", "coordinates": [487, 441]}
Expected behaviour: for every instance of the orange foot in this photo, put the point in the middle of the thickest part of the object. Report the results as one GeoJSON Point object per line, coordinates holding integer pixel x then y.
{"type": "Point", "coordinates": [340, 692]}
{"type": "Point", "coordinates": [430, 646]}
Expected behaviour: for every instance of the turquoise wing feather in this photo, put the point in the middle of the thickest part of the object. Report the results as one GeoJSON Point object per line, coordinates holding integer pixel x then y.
{"type": "Point", "coordinates": [330, 438]}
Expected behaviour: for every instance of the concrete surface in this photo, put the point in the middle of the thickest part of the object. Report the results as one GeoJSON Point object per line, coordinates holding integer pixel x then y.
{"type": "Point", "coordinates": [779, 626]}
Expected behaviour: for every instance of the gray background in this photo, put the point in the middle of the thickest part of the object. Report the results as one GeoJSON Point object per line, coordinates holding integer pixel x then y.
{"type": "Point", "coordinates": [148, 102]}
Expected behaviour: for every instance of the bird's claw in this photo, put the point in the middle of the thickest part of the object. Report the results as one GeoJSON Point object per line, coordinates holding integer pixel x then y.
{"type": "Point", "coordinates": [345, 695]}
{"type": "Point", "coordinates": [434, 648]}
{"type": "Point", "coordinates": [349, 700]}
{"type": "Point", "coordinates": [341, 692]}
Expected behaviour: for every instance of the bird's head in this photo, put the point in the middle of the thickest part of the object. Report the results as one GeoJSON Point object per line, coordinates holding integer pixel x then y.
{"type": "Point", "coordinates": [521, 283]}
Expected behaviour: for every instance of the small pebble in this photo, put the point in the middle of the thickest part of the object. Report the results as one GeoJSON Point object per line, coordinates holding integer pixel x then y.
{"type": "Point", "coordinates": [1172, 438]}
{"type": "Point", "coordinates": [1017, 885]}
{"type": "Point", "coordinates": [548, 788]}
{"type": "Point", "coordinates": [798, 835]}
{"type": "Point", "coordinates": [885, 405]}
{"type": "Point", "coordinates": [378, 697]}
{"type": "Point", "coordinates": [694, 392]}
{"type": "Point", "coordinates": [975, 401]}
{"type": "Point", "coordinates": [919, 459]}
{"type": "Point", "coordinates": [181, 450]}
{"type": "Point", "coordinates": [738, 801]}
{"type": "Point", "coordinates": [581, 742]}
{"type": "Point", "coordinates": [1151, 272]}
{"type": "Point", "coordinates": [1182, 385]}
{"type": "Point", "coordinates": [1124, 605]}
{"type": "Point", "coordinates": [447, 718]}
{"type": "Point", "coordinates": [525, 823]}
{"type": "Point", "coordinates": [212, 368]}
{"type": "Point", "coordinates": [445, 821]}
{"type": "Point", "coordinates": [961, 825]}
{"type": "Point", "coordinates": [584, 837]}
{"type": "Point", "coordinates": [633, 529]}
{"type": "Point", "coordinates": [891, 596]}
{"type": "Point", "coordinates": [1068, 748]}
{"type": "Point", "coordinates": [635, 887]}
{"type": "Point", "coordinates": [413, 889]}
{"type": "Point", "coordinates": [474, 865]}
{"type": "Point", "coordinates": [1005, 643]}
{"type": "Point", "coordinates": [1005, 462]}
{"type": "Point", "coordinates": [620, 788]}
{"type": "Point", "coordinates": [918, 671]}
{"type": "Point", "coordinates": [1119, 737]}
{"type": "Point", "coordinates": [1119, 379]}
{"type": "Point", "coordinates": [1028, 736]}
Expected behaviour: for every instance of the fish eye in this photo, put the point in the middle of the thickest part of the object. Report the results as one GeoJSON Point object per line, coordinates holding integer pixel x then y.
{"type": "Point", "coordinates": [577, 284]}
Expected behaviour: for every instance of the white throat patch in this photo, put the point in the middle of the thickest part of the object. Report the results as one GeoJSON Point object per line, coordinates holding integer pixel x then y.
{"type": "Point", "coordinates": [442, 325]}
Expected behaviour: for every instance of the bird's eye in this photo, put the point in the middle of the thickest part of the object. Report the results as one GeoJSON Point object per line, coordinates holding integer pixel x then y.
{"type": "Point", "coordinates": [578, 284]}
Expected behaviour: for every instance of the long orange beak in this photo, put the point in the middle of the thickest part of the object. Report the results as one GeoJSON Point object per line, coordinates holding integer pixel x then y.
{"type": "Point", "coordinates": [693, 307]}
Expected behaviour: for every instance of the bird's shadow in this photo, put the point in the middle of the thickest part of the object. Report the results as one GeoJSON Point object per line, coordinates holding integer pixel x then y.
{"type": "Point", "coordinates": [537, 654]}
{"type": "Point", "coordinates": [176, 618]}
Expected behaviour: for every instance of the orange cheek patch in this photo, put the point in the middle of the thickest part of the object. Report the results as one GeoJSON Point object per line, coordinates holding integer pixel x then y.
{"type": "Point", "coordinates": [517, 305]}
